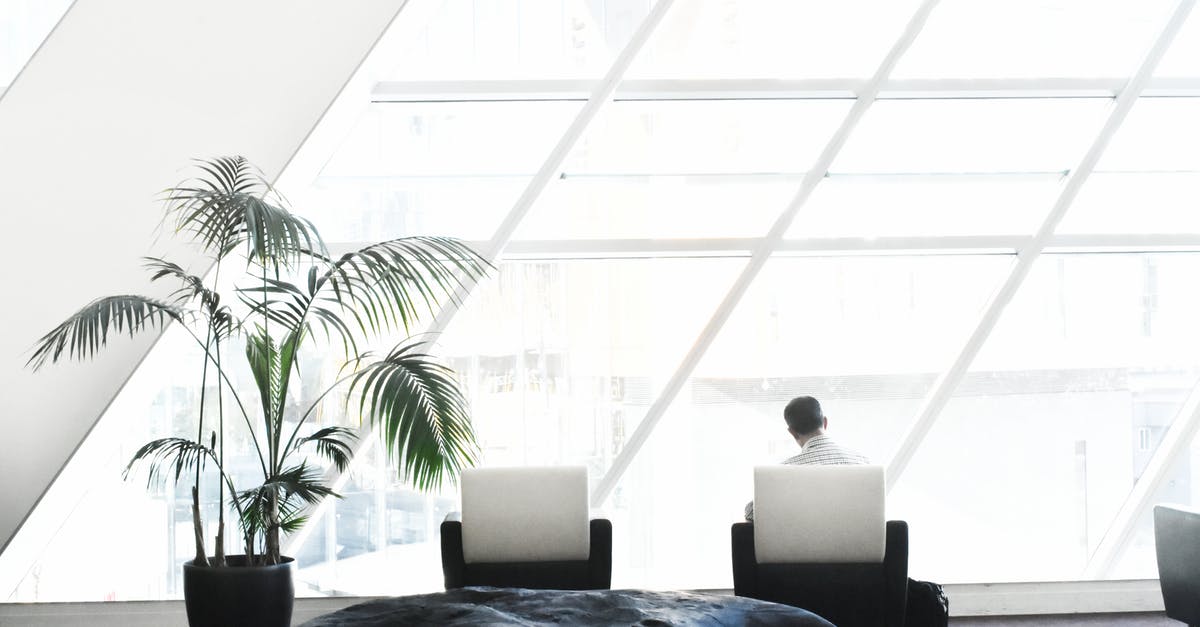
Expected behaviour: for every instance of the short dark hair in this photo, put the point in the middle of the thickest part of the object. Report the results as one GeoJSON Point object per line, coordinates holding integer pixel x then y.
{"type": "Point", "coordinates": [803, 415]}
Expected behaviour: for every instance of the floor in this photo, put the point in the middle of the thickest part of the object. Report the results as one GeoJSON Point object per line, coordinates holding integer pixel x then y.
{"type": "Point", "coordinates": [1155, 619]}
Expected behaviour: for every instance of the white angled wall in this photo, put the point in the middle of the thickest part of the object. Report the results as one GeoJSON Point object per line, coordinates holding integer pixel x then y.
{"type": "Point", "coordinates": [107, 114]}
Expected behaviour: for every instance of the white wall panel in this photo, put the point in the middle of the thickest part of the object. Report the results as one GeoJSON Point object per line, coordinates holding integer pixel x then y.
{"type": "Point", "coordinates": [108, 113]}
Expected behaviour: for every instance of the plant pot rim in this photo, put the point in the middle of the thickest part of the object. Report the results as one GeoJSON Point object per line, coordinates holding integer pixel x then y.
{"type": "Point", "coordinates": [285, 562]}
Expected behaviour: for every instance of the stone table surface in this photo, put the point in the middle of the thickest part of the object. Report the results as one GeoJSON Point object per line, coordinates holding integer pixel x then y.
{"type": "Point", "coordinates": [518, 606]}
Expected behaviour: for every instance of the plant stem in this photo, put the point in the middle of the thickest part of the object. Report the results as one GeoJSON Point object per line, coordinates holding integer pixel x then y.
{"type": "Point", "coordinates": [201, 559]}
{"type": "Point", "coordinates": [197, 523]}
{"type": "Point", "coordinates": [220, 540]}
{"type": "Point", "coordinates": [220, 549]}
{"type": "Point", "coordinates": [274, 425]}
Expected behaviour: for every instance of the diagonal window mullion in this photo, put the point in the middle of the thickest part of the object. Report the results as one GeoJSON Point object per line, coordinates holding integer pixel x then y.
{"type": "Point", "coordinates": [949, 380]}
{"type": "Point", "coordinates": [762, 253]}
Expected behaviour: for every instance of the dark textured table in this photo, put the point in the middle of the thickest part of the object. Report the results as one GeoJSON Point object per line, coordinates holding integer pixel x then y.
{"type": "Point", "coordinates": [518, 606]}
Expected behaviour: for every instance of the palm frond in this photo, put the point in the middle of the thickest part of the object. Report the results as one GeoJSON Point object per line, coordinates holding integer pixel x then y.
{"type": "Point", "coordinates": [271, 364]}
{"type": "Point", "coordinates": [83, 334]}
{"type": "Point", "coordinates": [332, 443]}
{"type": "Point", "coordinates": [282, 302]}
{"type": "Point", "coordinates": [420, 414]}
{"type": "Point", "coordinates": [191, 286]}
{"type": "Point", "coordinates": [178, 454]}
{"type": "Point", "coordinates": [221, 318]}
{"type": "Point", "coordinates": [389, 284]}
{"type": "Point", "coordinates": [230, 206]}
{"type": "Point", "coordinates": [293, 489]}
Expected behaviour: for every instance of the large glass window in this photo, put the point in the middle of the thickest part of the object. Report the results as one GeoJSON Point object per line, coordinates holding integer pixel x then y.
{"type": "Point", "coordinates": [640, 242]}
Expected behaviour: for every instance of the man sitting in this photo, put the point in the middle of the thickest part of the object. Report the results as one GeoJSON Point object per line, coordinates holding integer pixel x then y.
{"type": "Point", "coordinates": [807, 424]}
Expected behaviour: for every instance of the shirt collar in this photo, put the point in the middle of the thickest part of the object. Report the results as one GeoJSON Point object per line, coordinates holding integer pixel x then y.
{"type": "Point", "coordinates": [816, 439]}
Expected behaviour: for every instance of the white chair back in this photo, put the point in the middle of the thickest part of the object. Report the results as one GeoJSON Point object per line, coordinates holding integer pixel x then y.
{"type": "Point", "coordinates": [819, 514]}
{"type": "Point", "coordinates": [528, 514]}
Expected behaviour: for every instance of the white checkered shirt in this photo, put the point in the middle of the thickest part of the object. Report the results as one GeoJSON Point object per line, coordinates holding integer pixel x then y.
{"type": "Point", "coordinates": [819, 450]}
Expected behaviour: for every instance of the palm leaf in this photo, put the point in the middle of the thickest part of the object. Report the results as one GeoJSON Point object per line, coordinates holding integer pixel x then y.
{"type": "Point", "coordinates": [83, 334]}
{"type": "Point", "coordinates": [282, 302]}
{"type": "Point", "coordinates": [179, 454]}
{"type": "Point", "coordinates": [293, 488]}
{"type": "Point", "coordinates": [332, 443]}
{"type": "Point", "coordinates": [268, 363]}
{"type": "Point", "coordinates": [420, 414]}
{"type": "Point", "coordinates": [229, 206]}
{"type": "Point", "coordinates": [221, 319]}
{"type": "Point", "coordinates": [389, 284]}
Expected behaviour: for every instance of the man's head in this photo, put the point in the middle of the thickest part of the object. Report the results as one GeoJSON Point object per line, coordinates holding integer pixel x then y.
{"type": "Point", "coordinates": [804, 418]}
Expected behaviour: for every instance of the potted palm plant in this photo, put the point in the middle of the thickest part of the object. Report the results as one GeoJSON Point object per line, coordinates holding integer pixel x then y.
{"type": "Point", "coordinates": [290, 293]}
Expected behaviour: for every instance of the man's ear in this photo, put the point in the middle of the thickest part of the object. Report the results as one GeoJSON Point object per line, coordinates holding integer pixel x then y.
{"type": "Point", "coordinates": [793, 433]}
{"type": "Point", "coordinates": [825, 422]}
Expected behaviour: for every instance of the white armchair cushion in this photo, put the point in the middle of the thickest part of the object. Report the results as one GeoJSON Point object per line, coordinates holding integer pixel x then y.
{"type": "Point", "coordinates": [525, 514]}
{"type": "Point", "coordinates": [807, 514]}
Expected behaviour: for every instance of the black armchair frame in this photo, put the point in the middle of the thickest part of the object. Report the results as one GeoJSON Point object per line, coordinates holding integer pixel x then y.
{"type": "Point", "coordinates": [846, 594]}
{"type": "Point", "coordinates": [593, 574]}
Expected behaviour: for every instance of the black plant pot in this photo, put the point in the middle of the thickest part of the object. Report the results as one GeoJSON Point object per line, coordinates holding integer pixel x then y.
{"type": "Point", "coordinates": [239, 595]}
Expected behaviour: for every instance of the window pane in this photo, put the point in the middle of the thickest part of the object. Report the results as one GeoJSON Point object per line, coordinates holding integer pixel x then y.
{"type": "Point", "coordinates": [1034, 39]}
{"type": "Point", "coordinates": [661, 207]}
{"type": "Point", "coordinates": [982, 136]}
{"type": "Point", "coordinates": [1152, 202]}
{"type": "Point", "coordinates": [451, 139]}
{"type": "Point", "coordinates": [707, 137]}
{"type": "Point", "coordinates": [1183, 58]}
{"type": "Point", "coordinates": [451, 169]}
{"type": "Point", "coordinates": [684, 169]}
{"type": "Point", "coordinates": [773, 39]}
{"type": "Point", "coordinates": [1160, 134]}
{"type": "Point", "coordinates": [1038, 445]}
{"type": "Point", "coordinates": [898, 205]}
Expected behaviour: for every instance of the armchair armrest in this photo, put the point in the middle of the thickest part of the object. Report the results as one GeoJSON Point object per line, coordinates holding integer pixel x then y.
{"type": "Point", "coordinates": [895, 564]}
{"type": "Point", "coordinates": [600, 553]}
{"type": "Point", "coordinates": [454, 565]}
{"type": "Point", "coordinates": [745, 565]}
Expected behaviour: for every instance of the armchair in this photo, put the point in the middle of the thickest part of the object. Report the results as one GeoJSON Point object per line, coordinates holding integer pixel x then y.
{"type": "Point", "coordinates": [819, 541]}
{"type": "Point", "coordinates": [526, 528]}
